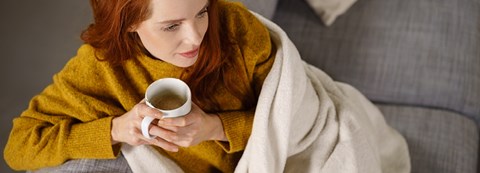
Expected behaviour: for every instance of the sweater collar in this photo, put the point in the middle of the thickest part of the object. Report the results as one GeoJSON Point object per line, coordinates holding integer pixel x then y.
{"type": "Point", "coordinates": [158, 68]}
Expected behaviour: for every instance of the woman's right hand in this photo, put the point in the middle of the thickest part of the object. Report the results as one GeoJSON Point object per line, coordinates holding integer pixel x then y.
{"type": "Point", "coordinates": [127, 128]}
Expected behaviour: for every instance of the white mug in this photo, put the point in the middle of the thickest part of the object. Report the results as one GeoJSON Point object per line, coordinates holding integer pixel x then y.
{"type": "Point", "coordinates": [170, 96]}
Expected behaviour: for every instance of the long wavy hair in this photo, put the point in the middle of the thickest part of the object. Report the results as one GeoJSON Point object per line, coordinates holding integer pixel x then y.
{"type": "Point", "coordinates": [111, 36]}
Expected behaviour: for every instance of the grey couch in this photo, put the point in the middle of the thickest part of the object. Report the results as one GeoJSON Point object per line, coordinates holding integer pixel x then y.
{"type": "Point", "coordinates": [418, 61]}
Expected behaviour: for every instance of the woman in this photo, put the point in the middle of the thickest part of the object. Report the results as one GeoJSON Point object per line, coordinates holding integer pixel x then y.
{"type": "Point", "coordinates": [95, 103]}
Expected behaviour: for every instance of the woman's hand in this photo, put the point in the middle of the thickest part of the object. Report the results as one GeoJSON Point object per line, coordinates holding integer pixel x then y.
{"type": "Point", "coordinates": [127, 128]}
{"type": "Point", "coordinates": [191, 129]}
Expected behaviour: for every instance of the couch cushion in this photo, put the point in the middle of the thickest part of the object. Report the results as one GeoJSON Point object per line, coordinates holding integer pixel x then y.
{"type": "Point", "coordinates": [396, 51]}
{"type": "Point", "coordinates": [118, 165]}
{"type": "Point", "coordinates": [438, 141]}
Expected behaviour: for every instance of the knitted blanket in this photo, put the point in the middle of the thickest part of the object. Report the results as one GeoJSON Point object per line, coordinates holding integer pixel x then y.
{"type": "Point", "coordinates": [305, 122]}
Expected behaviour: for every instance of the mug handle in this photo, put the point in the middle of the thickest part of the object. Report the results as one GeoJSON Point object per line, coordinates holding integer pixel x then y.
{"type": "Point", "coordinates": [147, 120]}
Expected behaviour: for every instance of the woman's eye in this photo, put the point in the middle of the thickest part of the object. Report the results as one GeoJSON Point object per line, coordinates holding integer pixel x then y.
{"type": "Point", "coordinates": [171, 27]}
{"type": "Point", "coordinates": [203, 13]}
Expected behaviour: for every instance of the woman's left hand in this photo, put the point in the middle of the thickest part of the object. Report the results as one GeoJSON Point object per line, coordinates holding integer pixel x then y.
{"type": "Point", "coordinates": [191, 129]}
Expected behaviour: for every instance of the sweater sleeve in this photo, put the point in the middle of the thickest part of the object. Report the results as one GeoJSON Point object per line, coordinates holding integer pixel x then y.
{"type": "Point", "coordinates": [237, 125]}
{"type": "Point", "coordinates": [70, 119]}
{"type": "Point", "coordinates": [258, 52]}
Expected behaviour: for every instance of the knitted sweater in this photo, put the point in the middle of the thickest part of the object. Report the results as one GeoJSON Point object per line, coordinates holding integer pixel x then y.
{"type": "Point", "coordinates": [71, 118]}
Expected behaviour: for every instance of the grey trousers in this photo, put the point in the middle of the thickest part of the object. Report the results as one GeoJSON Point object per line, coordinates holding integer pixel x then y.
{"type": "Point", "coordinates": [118, 165]}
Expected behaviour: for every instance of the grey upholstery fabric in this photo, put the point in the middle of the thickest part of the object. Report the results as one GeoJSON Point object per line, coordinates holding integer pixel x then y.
{"type": "Point", "coordinates": [438, 141]}
{"type": "Point", "coordinates": [118, 165]}
{"type": "Point", "coordinates": [265, 8]}
{"type": "Point", "coordinates": [396, 51]}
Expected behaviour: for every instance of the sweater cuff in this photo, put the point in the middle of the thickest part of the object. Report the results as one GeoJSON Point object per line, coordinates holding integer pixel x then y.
{"type": "Point", "coordinates": [92, 140]}
{"type": "Point", "coordinates": [237, 126]}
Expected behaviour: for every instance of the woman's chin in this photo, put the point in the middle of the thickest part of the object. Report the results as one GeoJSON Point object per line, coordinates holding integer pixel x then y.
{"type": "Point", "coordinates": [184, 62]}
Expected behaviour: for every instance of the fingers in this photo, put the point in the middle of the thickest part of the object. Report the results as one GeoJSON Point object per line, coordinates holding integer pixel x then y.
{"type": "Point", "coordinates": [127, 128]}
{"type": "Point", "coordinates": [164, 134]}
{"type": "Point", "coordinates": [174, 129]}
{"type": "Point", "coordinates": [164, 144]}
{"type": "Point", "coordinates": [178, 121]}
{"type": "Point", "coordinates": [143, 110]}
{"type": "Point", "coordinates": [139, 139]}
{"type": "Point", "coordinates": [193, 117]}
{"type": "Point", "coordinates": [136, 138]}
{"type": "Point", "coordinates": [165, 138]}
{"type": "Point", "coordinates": [178, 136]}
{"type": "Point", "coordinates": [170, 132]}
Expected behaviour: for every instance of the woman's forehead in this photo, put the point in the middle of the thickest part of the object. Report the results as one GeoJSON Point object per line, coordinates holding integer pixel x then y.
{"type": "Point", "coordinates": [164, 10]}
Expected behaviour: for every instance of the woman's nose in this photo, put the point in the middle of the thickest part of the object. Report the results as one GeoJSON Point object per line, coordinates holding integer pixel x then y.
{"type": "Point", "coordinates": [193, 35]}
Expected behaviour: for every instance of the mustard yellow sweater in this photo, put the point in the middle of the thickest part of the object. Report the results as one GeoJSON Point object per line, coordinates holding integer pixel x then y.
{"type": "Point", "coordinates": [71, 118]}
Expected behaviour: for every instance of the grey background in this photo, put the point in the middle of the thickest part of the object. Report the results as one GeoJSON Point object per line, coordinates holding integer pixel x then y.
{"type": "Point", "coordinates": [37, 39]}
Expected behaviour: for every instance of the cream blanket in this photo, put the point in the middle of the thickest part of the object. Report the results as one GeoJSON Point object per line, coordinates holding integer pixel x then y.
{"type": "Point", "coordinates": [305, 122]}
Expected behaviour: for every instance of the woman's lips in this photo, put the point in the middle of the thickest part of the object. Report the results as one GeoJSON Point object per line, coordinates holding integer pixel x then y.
{"type": "Point", "coordinates": [190, 54]}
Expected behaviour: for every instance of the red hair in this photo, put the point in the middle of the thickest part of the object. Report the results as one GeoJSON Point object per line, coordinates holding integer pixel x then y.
{"type": "Point", "coordinates": [111, 35]}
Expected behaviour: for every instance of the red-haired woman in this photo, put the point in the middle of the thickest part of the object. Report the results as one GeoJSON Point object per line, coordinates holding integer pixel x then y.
{"type": "Point", "coordinates": [95, 103]}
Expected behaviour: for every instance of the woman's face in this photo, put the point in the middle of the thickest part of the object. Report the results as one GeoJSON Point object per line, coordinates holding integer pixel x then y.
{"type": "Point", "coordinates": [175, 30]}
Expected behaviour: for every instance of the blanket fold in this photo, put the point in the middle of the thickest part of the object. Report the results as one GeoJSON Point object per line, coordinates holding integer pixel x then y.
{"type": "Point", "coordinates": [305, 122]}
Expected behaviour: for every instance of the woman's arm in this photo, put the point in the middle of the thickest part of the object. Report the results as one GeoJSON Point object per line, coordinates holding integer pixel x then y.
{"type": "Point", "coordinates": [257, 56]}
{"type": "Point", "coordinates": [238, 124]}
{"type": "Point", "coordinates": [70, 119]}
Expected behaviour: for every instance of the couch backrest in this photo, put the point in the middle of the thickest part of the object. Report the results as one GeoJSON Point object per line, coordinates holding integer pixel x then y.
{"type": "Point", "coordinates": [424, 53]}
{"type": "Point", "coordinates": [266, 8]}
